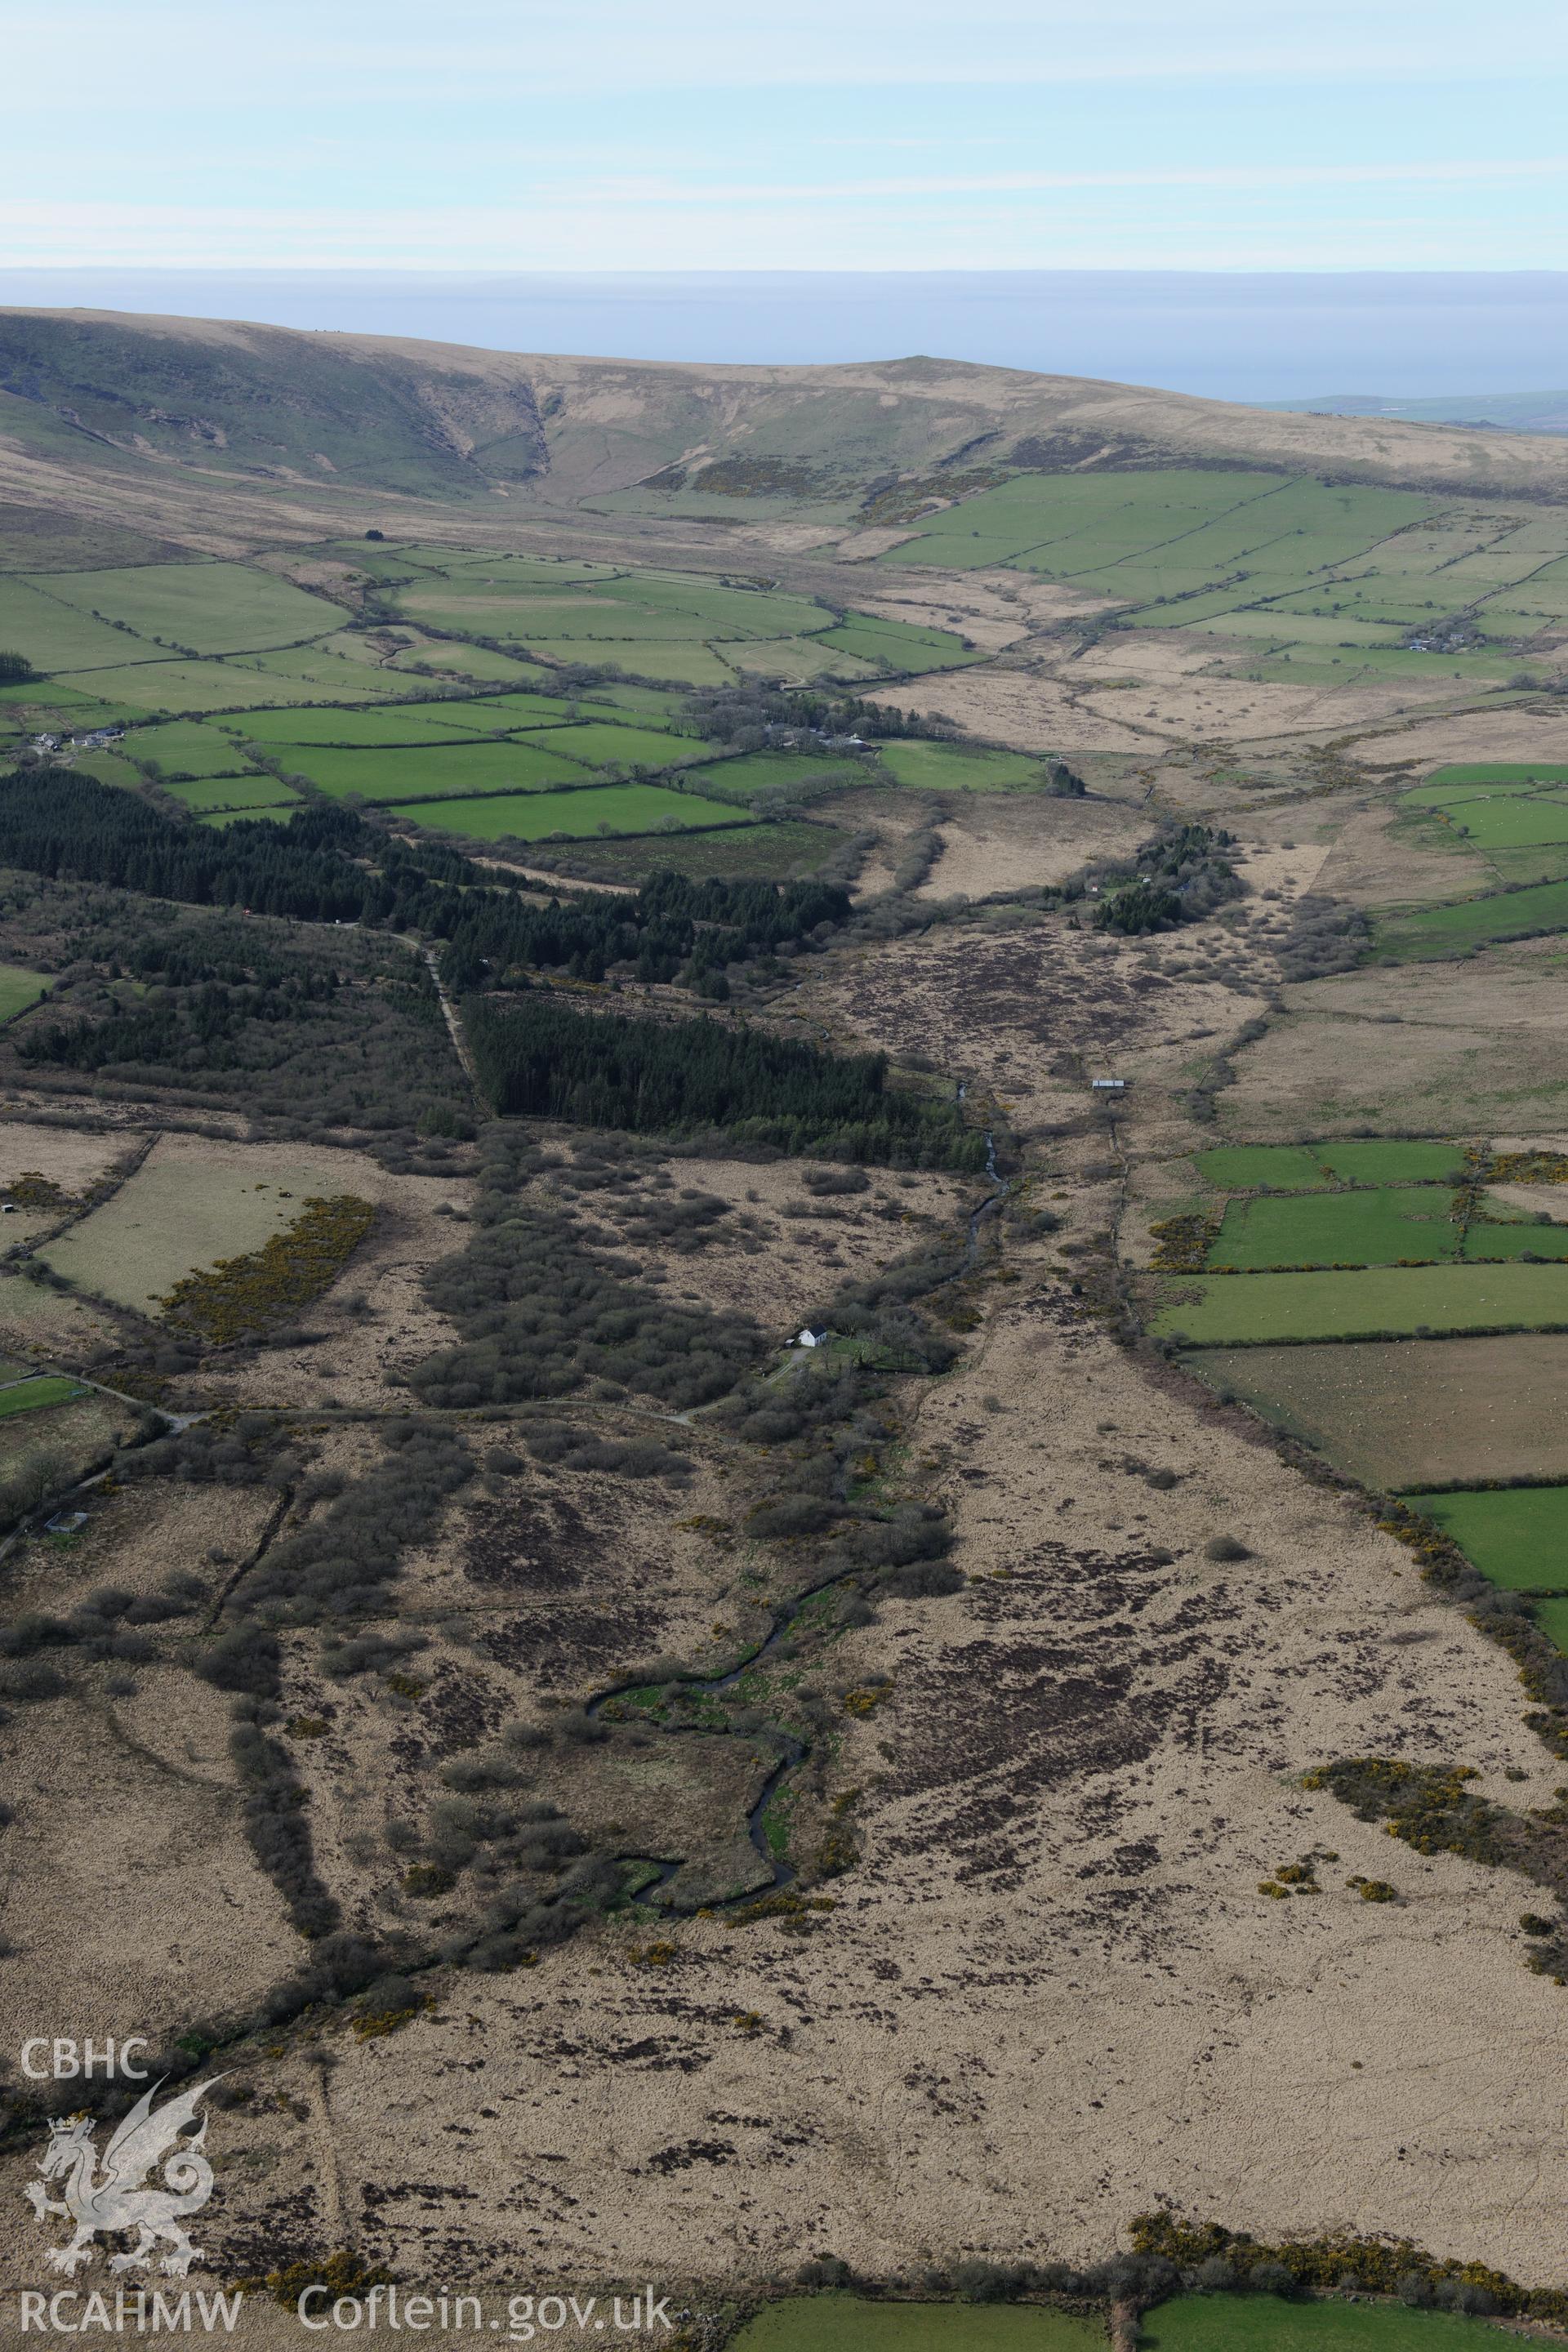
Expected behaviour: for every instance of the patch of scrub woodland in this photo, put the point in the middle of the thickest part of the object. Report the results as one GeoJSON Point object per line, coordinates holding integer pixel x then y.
{"type": "Point", "coordinates": [771, 1240]}
{"type": "Point", "coordinates": [535, 1587]}
{"type": "Point", "coordinates": [1412, 1412]}
{"type": "Point", "coordinates": [1031, 1007]}
{"type": "Point", "coordinates": [1080, 1771]}
{"type": "Point", "coordinates": [137, 1536]}
{"type": "Point", "coordinates": [565, 1580]}
{"type": "Point", "coordinates": [126, 1865]}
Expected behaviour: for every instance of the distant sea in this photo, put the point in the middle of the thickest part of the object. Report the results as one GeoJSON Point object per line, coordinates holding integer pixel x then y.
{"type": "Point", "coordinates": [1280, 337]}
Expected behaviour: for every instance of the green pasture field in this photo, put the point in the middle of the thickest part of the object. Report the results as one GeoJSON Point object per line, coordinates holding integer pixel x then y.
{"type": "Point", "coordinates": [718, 610]}
{"type": "Point", "coordinates": [1551, 1616]}
{"type": "Point", "coordinates": [329, 675]}
{"type": "Point", "coordinates": [1365, 1228]}
{"type": "Point", "coordinates": [450, 767]}
{"type": "Point", "coordinates": [1449, 931]}
{"type": "Point", "coordinates": [605, 808]}
{"type": "Point", "coordinates": [690, 664]}
{"type": "Point", "coordinates": [176, 1215]}
{"type": "Point", "coordinates": [598, 745]}
{"type": "Point", "coordinates": [109, 768]}
{"type": "Point", "coordinates": [899, 644]}
{"type": "Point", "coordinates": [55, 636]}
{"type": "Point", "coordinates": [1373, 1161]}
{"type": "Point", "coordinates": [1511, 821]}
{"type": "Point", "coordinates": [394, 723]}
{"type": "Point", "coordinates": [773, 852]}
{"type": "Point", "coordinates": [1221, 1310]}
{"type": "Point", "coordinates": [480, 663]}
{"type": "Point", "coordinates": [210, 608]}
{"type": "Point", "coordinates": [250, 792]}
{"type": "Point", "coordinates": [28, 1395]}
{"type": "Point", "coordinates": [1310, 1167]}
{"type": "Point", "coordinates": [180, 687]}
{"type": "Point", "coordinates": [795, 658]}
{"type": "Point", "coordinates": [1514, 1238]}
{"type": "Point", "coordinates": [19, 988]}
{"type": "Point", "coordinates": [1516, 1537]}
{"type": "Point", "coordinates": [1539, 865]}
{"type": "Point", "coordinates": [186, 747]}
{"type": "Point", "coordinates": [958, 767]}
{"type": "Point", "coordinates": [835, 2323]}
{"type": "Point", "coordinates": [1497, 771]}
{"type": "Point", "coordinates": [1252, 1167]}
{"type": "Point", "coordinates": [1264, 2323]}
{"type": "Point", "coordinates": [762, 771]}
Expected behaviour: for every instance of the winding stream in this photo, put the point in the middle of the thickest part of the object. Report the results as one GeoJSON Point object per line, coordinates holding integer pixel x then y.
{"type": "Point", "coordinates": [790, 1750]}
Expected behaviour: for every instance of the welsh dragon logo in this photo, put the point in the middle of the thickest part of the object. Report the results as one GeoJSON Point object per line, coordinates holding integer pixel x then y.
{"type": "Point", "coordinates": [119, 2197]}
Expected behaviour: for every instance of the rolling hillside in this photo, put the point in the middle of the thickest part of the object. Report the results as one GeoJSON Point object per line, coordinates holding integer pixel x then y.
{"type": "Point", "coordinates": [134, 405]}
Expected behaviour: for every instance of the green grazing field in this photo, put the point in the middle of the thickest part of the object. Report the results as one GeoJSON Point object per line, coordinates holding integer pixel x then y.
{"type": "Point", "coordinates": [957, 767]}
{"type": "Point", "coordinates": [1509, 820]}
{"type": "Point", "coordinates": [28, 1395]}
{"type": "Point", "coordinates": [772, 853]}
{"type": "Point", "coordinates": [1222, 1309]}
{"type": "Point", "coordinates": [899, 644]}
{"type": "Point", "coordinates": [1249, 1166]}
{"type": "Point", "coordinates": [434, 768]}
{"type": "Point", "coordinates": [398, 722]}
{"type": "Point", "coordinates": [693, 665]}
{"type": "Point", "coordinates": [1498, 772]}
{"type": "Point", "coordinates": [251, 792]}
{"type": "Point", "coordinates": [1371, 1228]}
{"type": "Point", "coordinates": [603, 746]}
{"type": "Point", "coordinates": [1310, 1166]}
{"type": "Point", "coordinates": [1517, 1238]}
{"type": "Point", "coordinates": [185, 747]}
{"type": "Point", "coordinates": [1375, 1162]}
{"type": "Point", "coordinates": [108, 767]}
{"type": "Point", "coordinates": [19, 988]}
{"type": "Point", "coordinates": [1449, 931]}
{"type": "Point", "coordinates": [605, 808]}
{"type": "Point", "coordinates": [842, 2323]}
{"type": "Point", "coordinates": [204, 608]}
{"type": "Point", "coordinates": [55, 636]}
{"type": "Point", "coordinates": [1516, 1536]}
{"type": "Point", "coordinates": [762, 771]}
{"type": "Point", "coordinates": [177, 686]}
{"type": "Point", "coordinates": [1263, 2323]}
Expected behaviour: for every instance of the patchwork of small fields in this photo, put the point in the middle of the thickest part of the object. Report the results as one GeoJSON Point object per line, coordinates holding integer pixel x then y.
{"type": "Point", "coordinates": [1366, 1359]}
{"type": "Point", "coordinates": [1294, 568]}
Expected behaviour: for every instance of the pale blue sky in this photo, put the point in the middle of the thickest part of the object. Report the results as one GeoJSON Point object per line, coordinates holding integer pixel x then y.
{"type": "Point", "coordinates": [832, 134]}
